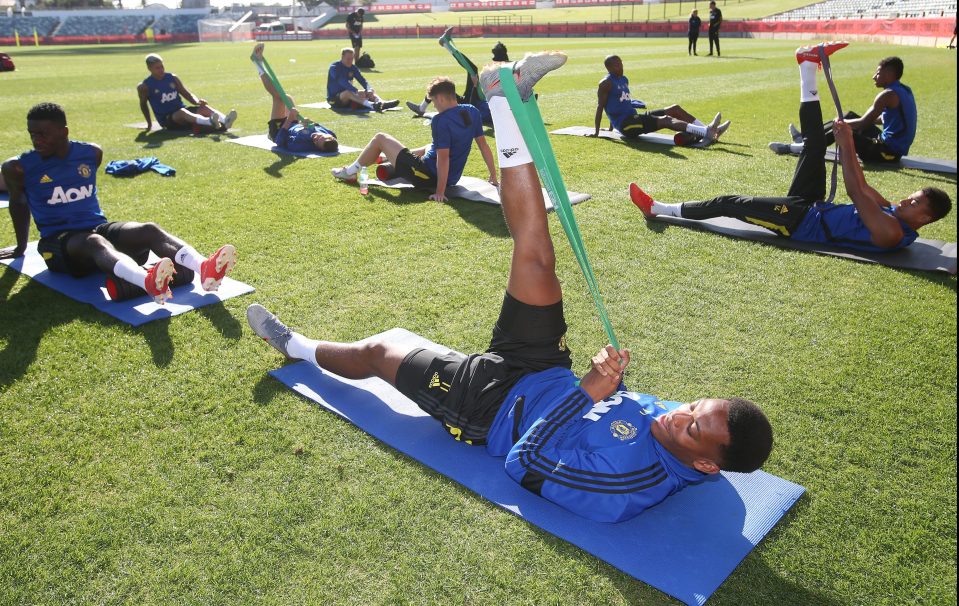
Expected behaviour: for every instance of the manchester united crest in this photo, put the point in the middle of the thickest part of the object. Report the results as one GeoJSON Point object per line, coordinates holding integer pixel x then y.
{"type": "Point", "coordinates": [623, 430]}
{"type": "Point", "coordinates": [84, 171]}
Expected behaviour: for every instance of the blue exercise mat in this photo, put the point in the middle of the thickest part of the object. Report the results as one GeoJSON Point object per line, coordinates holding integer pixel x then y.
{"type": "Point", "coordinates": [137, 311]}
{"type": "Point", "coordinates": [686, 546]}
{"type": "Point", "coordinates": [4, 199]}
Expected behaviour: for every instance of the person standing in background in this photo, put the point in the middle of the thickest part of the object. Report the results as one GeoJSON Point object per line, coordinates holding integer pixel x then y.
{"type": "Point", "coordinates": [695, 23]}
{"type": "Point", "coordinates": [715, 22]}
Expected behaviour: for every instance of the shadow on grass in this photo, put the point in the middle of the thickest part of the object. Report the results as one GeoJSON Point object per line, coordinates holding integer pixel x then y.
{"type": "Point", "coordinates": [281, 162]}
{"type": "Point", "coordinates": [156, 138]}
{"type": "Point", "coordinates": [919, 174]}
{"type": "Point", "coordinates": [222, 320]}
{"type": "Point", "coordinates": [266, 389]}
{"type": "Point", "coordinates": [35, 310]}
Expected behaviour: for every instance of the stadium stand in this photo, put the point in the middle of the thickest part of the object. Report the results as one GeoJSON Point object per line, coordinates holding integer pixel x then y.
{"type": "Point", "coordinates": [24, 26]}
{"type": "Point", "coordinates": [177, 24]}
{"type": "Point", "coordinates": [869, 9]}
{"type": "Point", "coordinates": [107, 25]}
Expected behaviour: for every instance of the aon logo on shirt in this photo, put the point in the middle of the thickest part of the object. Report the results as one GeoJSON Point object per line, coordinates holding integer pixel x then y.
{"type": "Point", "coordinates": [74, 194]}
{"type": "Point", "coordinates": [624, 96]}
{"type": "Point", "coordinates": [171, 96]}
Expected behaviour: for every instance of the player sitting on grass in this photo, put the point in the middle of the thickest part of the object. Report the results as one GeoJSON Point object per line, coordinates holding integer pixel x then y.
{"type": "Point", "coordinates": [894, 109]}
{"type": "Point", "coordinates": [613, 98]}
{"type": "Point", "coordinates": [163, 91]}
{"type": "Point", "coordinates": [284, 127]}
{"type": "Point", "coordinates": [441, 163]}
{"type": "Point", "coordinates": [585, 444]}
{"type": "Point", "coordinates": [340, 91]}
{"type": "Point", "coordinates": [57, 184]}
{"type": "Point", "coordinates": [870, 223]}
{"type": "Point", "coordinates": [471, 94]}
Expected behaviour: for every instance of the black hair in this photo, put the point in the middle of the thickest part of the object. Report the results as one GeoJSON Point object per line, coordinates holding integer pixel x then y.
{"type": "Point", "coordinates": [610, 59]}
{"type": "Point", "coordinates": [750, 437]}
{"type": "Point", "coordinates": [939, 202]}
{"type": "Point", "coordinates": [499, 52]}
{"type": "Point", "coordinates": [329, 146]}
{"type": "Point", "coordinates": [48, 111]}
{"type": "Point", "coordinates": [893, 63]}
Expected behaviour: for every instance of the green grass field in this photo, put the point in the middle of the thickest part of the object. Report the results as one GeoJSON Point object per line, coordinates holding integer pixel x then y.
{"type": "Point", "coordinates": [161, 465]}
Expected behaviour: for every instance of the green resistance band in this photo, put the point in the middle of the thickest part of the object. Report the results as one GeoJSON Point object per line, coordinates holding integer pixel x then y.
{"type": "Point", "coordinates": [279, 88]}
{"type": "Point", "coordinates": [451, 48]}
{"type": "Point", "coordinates": [531, 125]}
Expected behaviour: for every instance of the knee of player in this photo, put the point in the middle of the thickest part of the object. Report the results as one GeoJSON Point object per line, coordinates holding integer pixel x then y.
{"type": "Point", "coordinates": [95, 243]}
{"type": "Point", "coordinates": [542, 257]}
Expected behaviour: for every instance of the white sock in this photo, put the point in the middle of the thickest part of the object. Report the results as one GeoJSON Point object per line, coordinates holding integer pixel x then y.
{"type": "Point", "coordinates": [808, 87]}
{"type": "Point", "coordinates": [511, 149]}
{"type": "Point", "coordinates": [203, 121]}
{"type": "Point", "coordinates": [368, 104]}
{"type": "Point", "coordinates": [126, 269]}
{"type": "Point", "coordinates": [669, 210]}
{"type": "Point", "coordinates": [424, 105]}
{"type": "Point", "coordinates": [302, 348]}
{"type": "Point", "coordinates": [352, 168]}
{"type": "Point", "coordinates": [796, 148]}
{"type": "Point", "coordinates": [696, 129]}
{"type": "Point", "coordinates": [188, 257]}
{"type": "Point", "coordinates": [259, 68]}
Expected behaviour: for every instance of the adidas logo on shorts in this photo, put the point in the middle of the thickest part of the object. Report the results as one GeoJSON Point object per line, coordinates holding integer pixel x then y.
{"type": "Point", "coordinates": [509, 152]}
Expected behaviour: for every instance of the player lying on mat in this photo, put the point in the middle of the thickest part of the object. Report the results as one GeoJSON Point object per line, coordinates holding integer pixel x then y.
{"type": "Point", "coordinates": [343, 94]}
{"type": "Point", "coordinates": [613, 98]}
{"type": "Point", "coordinates": [284, 127]}
{"type": "Point", "coordinates": [440, 164]}
{"type": "Point", "coordinates": [585, 444]}
{"type": "Point", "coordinates": [471, 94]}
{"type": "Point", "coordinates": [870, 223]}
{"type": "Point", "coordinates": [164, 91]}
{"type": "Point", "coordinates": [56, 182]}
{"type": "Point", "coordinates": [894, 109]}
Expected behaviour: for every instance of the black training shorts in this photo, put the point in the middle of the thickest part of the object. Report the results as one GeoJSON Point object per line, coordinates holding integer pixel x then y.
{"type": "Point", "coordinates": [273, 127]}
{"type": "Point", "coordinates": [412, 168]}
{"type": "Point", "coordinates": [53, 249]}
{"type": "Point", "coordinates": [167, 122]}
{"type": "Point", "coordinates": [640, 124]}
{"type": "Point", "coordinates": [465, 392]}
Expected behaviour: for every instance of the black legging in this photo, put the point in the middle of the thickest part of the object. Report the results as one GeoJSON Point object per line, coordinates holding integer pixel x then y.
{"type": "Point", "coordinates": [784, 214]}
{"type": "Point", "coordinates": [713, 37]}
{"type": "Point", "coordinates": [693, 37]}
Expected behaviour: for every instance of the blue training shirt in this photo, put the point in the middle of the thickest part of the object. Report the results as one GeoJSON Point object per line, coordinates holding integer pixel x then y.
{"type": "Point", "coordinates": [62, 192]}
{"type": "Point", "coordinates": [619, 105]}
{"type": "Point", "coordinates": [340, 78]}
{"type": "Point", "coordinates": [899, 123]}
{"type": "Point", "coordinates": [298, 138]}
{"type": "Point", "coordinates": [598, 460]}
{"type": "Point", "coordinates": [454, 129]}
{"type": "Point", "coordinates": [841, 224]}
{"type": "Point", "coordinates": [163, 96]}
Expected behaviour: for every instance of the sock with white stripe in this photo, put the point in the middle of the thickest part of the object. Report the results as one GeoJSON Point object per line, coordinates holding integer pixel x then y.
{"type": "Point", "coordinates": [808, 87]}
{"type": "Point", "coordinates": [302, 348]}
{"type": "Point", "coordinates": [188, 257]}
{"type": "Point", "coordinates": [669, 210]}
{"type": "Point", "coordinates": [511, 149]}
{"type": "Point", "coordinates": [126, 269]}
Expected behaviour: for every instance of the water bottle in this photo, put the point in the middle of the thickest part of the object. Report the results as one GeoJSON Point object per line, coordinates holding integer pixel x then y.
{"type": "Point", "coordinates": [364, 181]}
